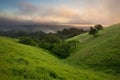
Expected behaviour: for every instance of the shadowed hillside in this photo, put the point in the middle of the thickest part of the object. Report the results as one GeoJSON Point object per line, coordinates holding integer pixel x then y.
{"type": "Point", "coordinates": [99, 53]}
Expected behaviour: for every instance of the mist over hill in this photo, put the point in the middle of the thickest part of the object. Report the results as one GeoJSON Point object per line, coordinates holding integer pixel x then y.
{"type": "Point", "coordinates": [7, 24]}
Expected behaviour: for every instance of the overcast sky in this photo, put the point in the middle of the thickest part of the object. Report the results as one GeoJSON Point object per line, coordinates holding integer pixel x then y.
{"type": "Point", "coordinates": [62, 11]}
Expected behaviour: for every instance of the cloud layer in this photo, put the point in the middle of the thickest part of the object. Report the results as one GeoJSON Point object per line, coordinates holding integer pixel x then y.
{"type": "Point", "coordinates": [67, 12]}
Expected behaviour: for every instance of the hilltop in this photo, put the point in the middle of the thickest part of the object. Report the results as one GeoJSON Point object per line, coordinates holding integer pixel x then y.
{"type": "Point", "coordinates": [99, 53]}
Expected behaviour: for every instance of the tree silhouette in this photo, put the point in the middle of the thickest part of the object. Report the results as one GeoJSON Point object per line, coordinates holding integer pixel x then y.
{"type": "Point", "coordinates": [93, 31]}
{"type": "Point", "coordinates": [98, 27]}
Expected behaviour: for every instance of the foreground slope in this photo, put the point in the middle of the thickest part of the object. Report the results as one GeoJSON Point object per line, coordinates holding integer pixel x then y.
{"type": "Point", "coordinates": [22, 62]}
{"type": "Point", "coordinates": [99, 53]}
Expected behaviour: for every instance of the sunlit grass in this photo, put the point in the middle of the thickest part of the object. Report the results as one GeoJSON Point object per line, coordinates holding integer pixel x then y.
{"type": "Point", "coordinates": [22, 62]}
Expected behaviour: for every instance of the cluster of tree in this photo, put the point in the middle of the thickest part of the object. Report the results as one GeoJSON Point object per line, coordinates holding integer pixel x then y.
{"type": "Point", "coordinates": [94, 30]}
{"type": "Point", "coordinates": [68, 33]}
{"type": "Point", "coordinates": [61, 49]}
{"type": "Point", "coordinates": [27, 40]}
{"type": "Point", "coordinates": [64, 34]}
{"type": "Point", "coordinates": [54, 42]}
{"type": "Point", "coordinates": [17, 34]}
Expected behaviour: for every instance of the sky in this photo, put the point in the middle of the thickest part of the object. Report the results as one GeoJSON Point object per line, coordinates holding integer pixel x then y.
{"type": "Point", "coordinates": [85, 12]}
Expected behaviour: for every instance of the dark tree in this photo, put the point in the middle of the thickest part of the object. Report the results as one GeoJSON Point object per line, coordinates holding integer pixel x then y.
{"type": "Point", "coordinates": [93, 31]}
{"type": "Point", "coordinates": [52, 38]}
{"type": "Point", "coordinates": [68, 33]}
{"type": "Point", "coordinates": [27, 40]}
{"type": "Point", "coordinates": [98, 27]}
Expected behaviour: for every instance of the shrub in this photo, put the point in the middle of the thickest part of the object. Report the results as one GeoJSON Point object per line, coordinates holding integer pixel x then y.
{"type": "Point", "coordinates": [61, 49]}
{"type": "Point", "coordinates": [93, 31]}
{"type": "Point", "coordinates": [27, 40]}
{"type": "Point", "coordinates": [98, 27]}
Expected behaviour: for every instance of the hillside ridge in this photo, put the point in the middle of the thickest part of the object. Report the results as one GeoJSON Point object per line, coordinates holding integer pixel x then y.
{"type": "Point", "coordinates": [101, 53]}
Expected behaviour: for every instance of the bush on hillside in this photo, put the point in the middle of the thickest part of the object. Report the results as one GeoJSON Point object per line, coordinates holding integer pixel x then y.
{"type": "Point", "coordinates": [27, 40]}
{"type": "Point", "coordinates": [98, 27]}
{"type": "Point", "coordinates": [93, 31]}
{"type": "Point", "coordinates": [60, 49]}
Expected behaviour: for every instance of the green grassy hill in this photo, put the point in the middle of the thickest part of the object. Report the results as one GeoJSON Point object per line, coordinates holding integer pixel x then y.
{"type": "Point", "coordinates": [22, 62]}
{"type": "Point", "coordinates": [98, 53]}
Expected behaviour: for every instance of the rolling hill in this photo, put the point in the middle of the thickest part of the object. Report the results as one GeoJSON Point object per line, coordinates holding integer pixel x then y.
{"type": "Point", "coordinates": [23, 62]}
{"type": "Point", "coordinates": [98, 53]}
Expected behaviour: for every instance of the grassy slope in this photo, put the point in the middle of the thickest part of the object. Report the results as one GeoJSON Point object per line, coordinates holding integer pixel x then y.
{"type": "Point", "coordinates": [22, 62]}
{"type": "Point", "coordinates": [101, 53]}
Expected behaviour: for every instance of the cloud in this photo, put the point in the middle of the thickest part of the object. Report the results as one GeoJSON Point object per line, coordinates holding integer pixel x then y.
{"type": "Point", "coordinates": [26, 8]}
{"type": "Point", "coordinates": [61, 14]}
{"type": "Point", "coordinates": [30, 9]}
{"type": "Point", "coordinates": [113, 9]}
{"type": "Point", "coordinates": [100, 11]}
{"type": "Point", "coordinates": [80, 12]}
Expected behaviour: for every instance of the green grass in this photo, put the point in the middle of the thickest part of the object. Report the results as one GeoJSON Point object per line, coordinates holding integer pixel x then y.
{"type": "Point", "coordinates": [23, 62]}
{"type": "Point", "coordinates": [99, 53]}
